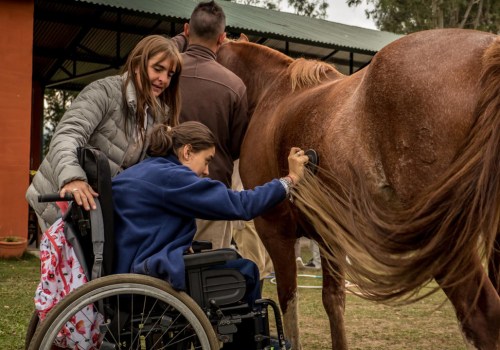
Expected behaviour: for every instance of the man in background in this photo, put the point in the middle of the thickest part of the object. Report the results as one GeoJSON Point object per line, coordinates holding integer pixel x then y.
{"type": "Point", "coordinates": [214, 96]}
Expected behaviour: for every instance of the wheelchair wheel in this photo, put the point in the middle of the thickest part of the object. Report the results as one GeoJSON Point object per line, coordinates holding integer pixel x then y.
{"type": "Point", "coordinates": [31, 330]}
{"type": "Point", "coordinates": [131, 312]}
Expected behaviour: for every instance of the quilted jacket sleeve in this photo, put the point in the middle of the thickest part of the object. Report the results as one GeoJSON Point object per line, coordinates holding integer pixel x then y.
{"type": "Point", "coordinates": [74, 130]}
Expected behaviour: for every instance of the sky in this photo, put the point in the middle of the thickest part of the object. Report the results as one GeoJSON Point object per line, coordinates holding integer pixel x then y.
{"type": "Point", "coordinates": [339, 12]}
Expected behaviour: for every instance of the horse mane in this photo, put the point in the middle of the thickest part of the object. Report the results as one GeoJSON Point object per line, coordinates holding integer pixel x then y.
{"type": "Point", "coordinates": [306, 73]}
{"type": "Point", "coordinates": [394, 252]}
{"type": "Point", "coordinates": [266, 53]}
{"type": "Point", "coordinates": [302, 72]}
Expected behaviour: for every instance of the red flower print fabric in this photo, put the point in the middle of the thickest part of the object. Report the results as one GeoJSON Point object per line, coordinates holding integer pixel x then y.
{"type": "Point", "coordinates": [61, 273]}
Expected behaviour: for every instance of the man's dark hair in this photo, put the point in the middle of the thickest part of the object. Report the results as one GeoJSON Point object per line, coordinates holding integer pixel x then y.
{"type": "Point", "coordinates": [207, 21]}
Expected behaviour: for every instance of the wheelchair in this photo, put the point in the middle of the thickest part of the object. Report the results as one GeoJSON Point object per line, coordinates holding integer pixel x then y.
{"type": "Point", "coordinates": [132, 311]}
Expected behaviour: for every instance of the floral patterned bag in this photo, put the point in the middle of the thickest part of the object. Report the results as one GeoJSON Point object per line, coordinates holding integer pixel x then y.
{"type": "Point", "coordinates": [61, 272]}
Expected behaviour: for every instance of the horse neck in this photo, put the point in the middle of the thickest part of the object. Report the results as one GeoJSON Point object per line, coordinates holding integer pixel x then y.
{"type": "Point", "coordinates": [264, 71]}
{"type": "Point", "coordinates": [271, 85]}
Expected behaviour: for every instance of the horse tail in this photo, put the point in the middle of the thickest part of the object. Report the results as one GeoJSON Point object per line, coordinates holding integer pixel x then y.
{"type": "Point", "coordinates": [393, 252]}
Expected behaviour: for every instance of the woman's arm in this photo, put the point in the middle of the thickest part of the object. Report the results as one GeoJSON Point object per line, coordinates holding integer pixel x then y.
{"type": "Point", "coordinates": [207, 199]}
{"type": "Point", "coordinates": [74, 130]}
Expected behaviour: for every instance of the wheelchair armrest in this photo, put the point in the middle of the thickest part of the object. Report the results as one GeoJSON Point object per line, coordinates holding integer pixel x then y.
{"type": "Point", "coordinates": [211, 257]}
{"type": "Point", "coordinates": [198, 246]}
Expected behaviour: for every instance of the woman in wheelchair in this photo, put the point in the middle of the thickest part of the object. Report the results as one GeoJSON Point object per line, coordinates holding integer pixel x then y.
{"type": "Point", "coordinates": [157, 201]}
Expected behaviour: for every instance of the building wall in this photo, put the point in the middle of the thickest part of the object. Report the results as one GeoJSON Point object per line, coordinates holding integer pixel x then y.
{"type": "Point", "coordinates": [16, 50]}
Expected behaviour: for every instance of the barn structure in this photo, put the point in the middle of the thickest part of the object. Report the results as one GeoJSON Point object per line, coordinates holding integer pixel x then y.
{"type": "Point", "coordinates": [65, 44]}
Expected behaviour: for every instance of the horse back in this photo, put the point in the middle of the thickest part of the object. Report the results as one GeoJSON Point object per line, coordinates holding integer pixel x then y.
{"type": "Point", "coordinates": [415, 105]}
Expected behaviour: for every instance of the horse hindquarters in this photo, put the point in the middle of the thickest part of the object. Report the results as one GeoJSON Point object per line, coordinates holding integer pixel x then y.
{"type": "Point", "coordinates": [452, 218]}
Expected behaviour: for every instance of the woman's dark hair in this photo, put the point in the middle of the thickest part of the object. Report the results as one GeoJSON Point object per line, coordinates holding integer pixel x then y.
{"type": "Point", "coordinates": [207, 21]}
{"type": "Point", "coordinates": [166, 140]}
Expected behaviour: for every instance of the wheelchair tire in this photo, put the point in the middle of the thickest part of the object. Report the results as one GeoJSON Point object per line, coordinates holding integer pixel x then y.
{"type": "Point", "coordinates": [185, 319]}
{"type": "Point", "coordinates": [31, 329]}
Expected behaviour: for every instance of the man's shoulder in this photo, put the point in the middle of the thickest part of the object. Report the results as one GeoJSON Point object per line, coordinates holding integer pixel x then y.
{"type": "Point", "coordinates": [226, 77]}
{"type": "Point", "coordinates": [199, 64]}
{"type": "Point", "coordinates": [181, 41]}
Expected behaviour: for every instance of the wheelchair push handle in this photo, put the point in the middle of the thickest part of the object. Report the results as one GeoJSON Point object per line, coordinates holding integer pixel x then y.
{"type": "Point", "coordinates": [54, 197]}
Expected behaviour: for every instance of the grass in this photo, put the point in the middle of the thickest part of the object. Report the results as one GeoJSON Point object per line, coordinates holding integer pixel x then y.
{"type": "Point", "coordinates": [18, 281]}
{"type": "Point", "coordinates": [428, 324]}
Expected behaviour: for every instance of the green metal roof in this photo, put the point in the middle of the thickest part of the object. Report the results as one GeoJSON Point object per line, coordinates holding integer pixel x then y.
{"type": "Point", "coordinates": [268, 23]}
{"type": "Point", "coordinates": [78, 41]}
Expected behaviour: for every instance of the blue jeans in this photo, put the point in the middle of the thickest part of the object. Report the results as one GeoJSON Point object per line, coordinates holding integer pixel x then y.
{"type": "Point", "coordinates": [250, 271]}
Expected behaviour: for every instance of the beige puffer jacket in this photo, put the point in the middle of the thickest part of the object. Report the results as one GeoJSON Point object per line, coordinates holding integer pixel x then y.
{"type": "Point", "coordinates": [95, 118]}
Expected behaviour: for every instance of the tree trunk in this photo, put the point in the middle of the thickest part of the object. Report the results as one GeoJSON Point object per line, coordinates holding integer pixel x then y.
{"type": "Point", "coordinates": [478, 16]}
{"type": "Point", "coordinates": [467, 12]}
{"type": "Point", "coordinates": [437, 14]}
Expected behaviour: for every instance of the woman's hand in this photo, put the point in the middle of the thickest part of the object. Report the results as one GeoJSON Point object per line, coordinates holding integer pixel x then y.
{"type": "Point", "coordinates": [296, 164]}
{"type": "Point", "coordinates": [82, 193]}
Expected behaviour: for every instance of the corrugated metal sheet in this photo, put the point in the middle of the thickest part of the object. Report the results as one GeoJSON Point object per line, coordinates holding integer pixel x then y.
{"type": "Point", "coordinates": [78, 41]}
{"type": "Point", "coordinates": [268, 23]}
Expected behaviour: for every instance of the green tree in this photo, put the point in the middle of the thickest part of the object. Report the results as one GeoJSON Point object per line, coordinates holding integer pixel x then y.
{"type": "Point", "coordinates": [311, 8]}
{"type": "Point", "coordinates": [269, 4]}
{"type": "Point", "coordinates": [55, 104]}
{"type": "Point", "coordinates": [402, 16]}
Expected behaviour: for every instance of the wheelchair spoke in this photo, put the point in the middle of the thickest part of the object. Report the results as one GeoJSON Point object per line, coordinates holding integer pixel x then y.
{"type": "Point", "coordinates": [130, 312]}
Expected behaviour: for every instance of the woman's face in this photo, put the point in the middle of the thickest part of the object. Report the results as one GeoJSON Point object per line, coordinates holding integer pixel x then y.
{"type": "Point", "coordinates": [160, 72]}
{"type": "Point", "coordinates": [197, 161]}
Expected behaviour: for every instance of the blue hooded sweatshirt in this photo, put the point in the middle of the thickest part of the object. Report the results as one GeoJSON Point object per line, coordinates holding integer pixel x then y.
{"type": "Point", "coordinates": [156, 203]}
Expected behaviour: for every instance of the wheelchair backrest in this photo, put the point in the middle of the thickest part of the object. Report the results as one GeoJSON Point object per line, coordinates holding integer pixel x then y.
{"type": "Point", "coordinates": [92, 234]}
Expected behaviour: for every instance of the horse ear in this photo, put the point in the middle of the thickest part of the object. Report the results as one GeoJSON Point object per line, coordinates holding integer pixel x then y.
{"type": "Point", "coordinates": [243, 37]}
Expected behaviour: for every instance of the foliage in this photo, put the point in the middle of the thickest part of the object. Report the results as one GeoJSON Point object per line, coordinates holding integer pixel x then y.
{"type": "Point", "coordinates": [401, 16]}
{"type": "Point", "coordinates": [56, 103]}
{"type": "Point", "coordinates": [269, 4]}
{"type": "Point", "coordinates": [310, 8]}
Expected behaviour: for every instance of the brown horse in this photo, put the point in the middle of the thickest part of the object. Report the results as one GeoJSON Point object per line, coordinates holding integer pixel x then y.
{"type": "Point", "coordinates": [408, 186]}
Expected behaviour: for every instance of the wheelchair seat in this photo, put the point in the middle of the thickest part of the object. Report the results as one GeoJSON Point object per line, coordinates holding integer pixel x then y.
{"type": "Point", "coordinates": [213, 287]}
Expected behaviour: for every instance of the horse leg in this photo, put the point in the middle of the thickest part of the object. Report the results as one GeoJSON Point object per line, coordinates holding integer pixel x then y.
{"type": "Point", "coordinates": [494, 265]}
{"type": "Point", "coordinates": [280, 247]}
{"type": "Point", "coordinates": [289, 303]}
{"type": "Point", "coordinates": [285, 269]}
{"type": "Point", "coordinates": [479, 318]}
{"type": "Point", "coordinates": [334, 303]}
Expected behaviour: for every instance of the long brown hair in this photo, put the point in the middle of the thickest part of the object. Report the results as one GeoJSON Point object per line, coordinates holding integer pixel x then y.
{"type": "Point", "coordinates": [166, 140]}
{"type": "Point", "coordinates": [138, 58]}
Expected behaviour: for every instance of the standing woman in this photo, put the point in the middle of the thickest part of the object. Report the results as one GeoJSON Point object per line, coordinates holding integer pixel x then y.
{"type": "Point", "coordinates": [115, 114]}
